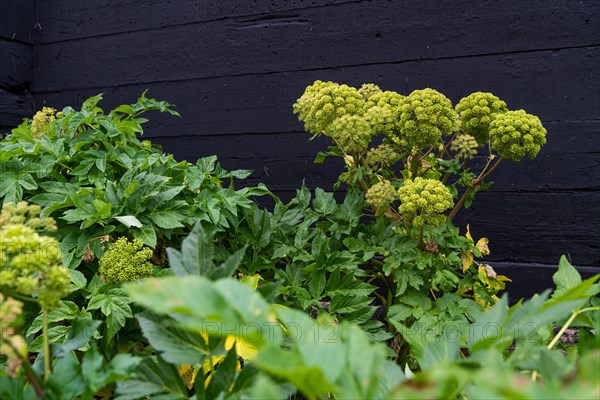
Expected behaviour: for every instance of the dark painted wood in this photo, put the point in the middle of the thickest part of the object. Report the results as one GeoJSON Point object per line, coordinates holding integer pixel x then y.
{"type": "Point", "coordinates": [15, 65]}
{"type": "Point", "coordinates": [17, 20]}
{"type": "Point", "coordinates": [72, 19]}
{"type": "Point", "coordinates": [263, 103]}
{"type": "Point", "coordinates": [13, 108]}
{"type": "Point", "coordinates": [538, 227]}
{"type": "Point", "coordinates": [350, 34]}
{"type": "Point", "coordinates": [529, 279]}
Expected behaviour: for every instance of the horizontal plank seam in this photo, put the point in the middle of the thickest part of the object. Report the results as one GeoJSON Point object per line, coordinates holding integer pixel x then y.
{"type": "Point", "coordinates": [233, 17]}
{"type": "Point", "coordinates": [591, 46]}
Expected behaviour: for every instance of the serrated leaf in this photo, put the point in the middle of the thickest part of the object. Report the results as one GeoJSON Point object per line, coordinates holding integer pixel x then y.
{"type": "Point", "coordinates": [175, 345]}
{"type": "Point", "coordinates": [324, 203]}
{"type": "Point", "coordinates": [565, 278]}
{"type": "Point", "coordinates": [153, 379]}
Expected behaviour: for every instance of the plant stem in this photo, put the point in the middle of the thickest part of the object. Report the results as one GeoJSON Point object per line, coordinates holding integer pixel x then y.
{"type": "Point", "coordinates": [569, 321]}
{"type": "Point", "coordinates": [33, 379]}
{"type": "Point", "coordinates": [562, 330]}
{"type": "Point", "coordinates": [483, 175]}
{"type": "Point", "coordinates": [47, 370]}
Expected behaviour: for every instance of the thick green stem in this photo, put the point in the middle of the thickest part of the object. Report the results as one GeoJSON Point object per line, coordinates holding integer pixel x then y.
{"type": "Point", "coordinates": [47, 370]}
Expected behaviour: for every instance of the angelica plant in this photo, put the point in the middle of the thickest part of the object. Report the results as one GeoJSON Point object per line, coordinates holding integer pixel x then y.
{"type": "Point", "coordinates": [423, 135]}
{"type": "Point", "coordinates": [411, 155]}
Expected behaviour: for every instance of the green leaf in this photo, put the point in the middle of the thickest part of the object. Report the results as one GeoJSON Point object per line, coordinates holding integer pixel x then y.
{"type": "Point", "coordinates": [444, 351]}
{"type": "Point", "coordinates": [174, 344]}
{"type": "Point", "coordinates": [324, 203]}
{"type": "Point", "coordinates": [167, 219]}
{"type": "Point", "coordinates": [114, 304]}
{"type": "Point", "coordinates": [146, 234]}
{"type": "Point", "coordinates": [196, 255]}
{"type": "Point", "coordinates": [153, 379]}
{"type": "Point", "coordinates": [82, 330]}
{"type": "Point", "coordinates": [129, 221]}
{"type": "Point", "coordinates": [565, 278]}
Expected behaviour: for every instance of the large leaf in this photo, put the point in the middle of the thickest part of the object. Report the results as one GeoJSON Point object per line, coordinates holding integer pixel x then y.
{"type": "Point", "coordinates": [154, 379]}
{"type": "Point", "coordinates": [114, 304]}
{"type": "Point", "coordinates": [175, 345]}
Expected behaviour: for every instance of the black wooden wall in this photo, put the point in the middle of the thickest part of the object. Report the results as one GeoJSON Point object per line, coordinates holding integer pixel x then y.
{"type": "Point", "coordinates": [16, 61]}
{"type": "Point", "coordinates": [235, 67]}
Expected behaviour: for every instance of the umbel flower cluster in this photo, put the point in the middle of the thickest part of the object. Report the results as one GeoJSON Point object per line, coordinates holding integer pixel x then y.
{"type": "Point", "coordinates": [424, 201]}
{"type": "Point", "coordinates": [42, 120]}
{"type": "Point", "coordinates": [126, 261]}
{"type": "Point", "coordinates": [425, 140]}
{"type": "Point", "coordinates": [30, 263]}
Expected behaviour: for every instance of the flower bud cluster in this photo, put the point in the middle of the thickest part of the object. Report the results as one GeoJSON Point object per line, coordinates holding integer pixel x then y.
{"type": "Point", "coordinates": [323, 102]}
{"type": "Point", "coordinates": [368, 89]}
{"type": "Point", "coordinates": [382, 112]}
{"type": "Point", "coordinates": [30, 263]}
{"type": "Point", "coordinates": [516, 133]}
{"type": "Point", "coordinates": [380, 196]}
{"type": "Point", "coordinates": [465, 146]}
{"type": "Point", "coordinates": [425, 116]}
{"type": "Point", "coordinates": [26, 214]}
{"type": "Point", "coordinates": [477, 111]}
{"type": "Point", "coordinates": [42, 120]}
{"type": "Point", "coordinates": [384, 156]}
{"type": "Point", "coordinates": [351, 132]}
{"type": "Point", "coordinates": [126, 261]}
{"type": "Point", "coordinates": [424, 201]}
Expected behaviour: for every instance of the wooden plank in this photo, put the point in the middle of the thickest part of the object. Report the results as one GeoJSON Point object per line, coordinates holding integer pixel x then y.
{"type": "Point", "coordinates": [72, 19]}
{"type": "Point", "coordinates": [362, 33]}
{"type": "Point", "coordinates": [541, 83]}
{"type": "Point", "coordinates": [529, 279]}
{"type": "Point", "coordinates": [17, 20]}
{"type": "Point", "coordinates": [13, 108]}
{"type": "Point", "coordinates": [15, 65]}
{"type": "Point", "coordinates": [538, 227]}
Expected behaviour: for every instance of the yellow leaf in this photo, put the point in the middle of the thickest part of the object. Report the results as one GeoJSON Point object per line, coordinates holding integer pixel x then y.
{"type": "Point", "coordinates": [188, 375]}
{"type": "Point", "coordinates": [503, 278]}
{"type": "Point", "coordinates": [251, 280]}
{"type": "Point", "coordinates": [243, 348]}
{"type": "Point", "coordinates": [468, 234]}
{"type": "Point", "coordinates": [467, 260]}
{"type": "Point", "coordinates": [482, 245]}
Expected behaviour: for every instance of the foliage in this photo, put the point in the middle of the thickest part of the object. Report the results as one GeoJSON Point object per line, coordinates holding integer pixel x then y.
{"type": "Point", "coordinates": [175, 285]}
{"type": "Point", "coordinates": [411, 178]}
{"type": "Point", "coordinates": [90, 172]}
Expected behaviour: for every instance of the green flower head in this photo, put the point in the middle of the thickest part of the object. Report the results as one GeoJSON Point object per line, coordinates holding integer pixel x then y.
{"type": "Point", "coordinates": [477, 111]}
{"type": "Point", "coordinates": [30, 263]}
{"type": "Point", "coordinates": [351, 132]}
{"type": "Point", "coordinates": [126, 261]}
{"type": "Point", "coordinates": [368, 89]}
{"type": "Point", "coordinates": [323, 102]}
{"type": "Point", "coordinates": [380, 196]}
{"type": "Point", "coordinates": [424, 201]}
{"type": "Point", "coordinates": [516, 133]}
{"type": "Point", "coordinates": [42, 120]}
{"type": "Point", "coordinates": [465, 146]}
{"type": "Point", "coordinates": [382, 111]}
{"type": "Point", "coordinates": [425, 116]}
{"type": "Point", "coordinates": [384, 156]}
